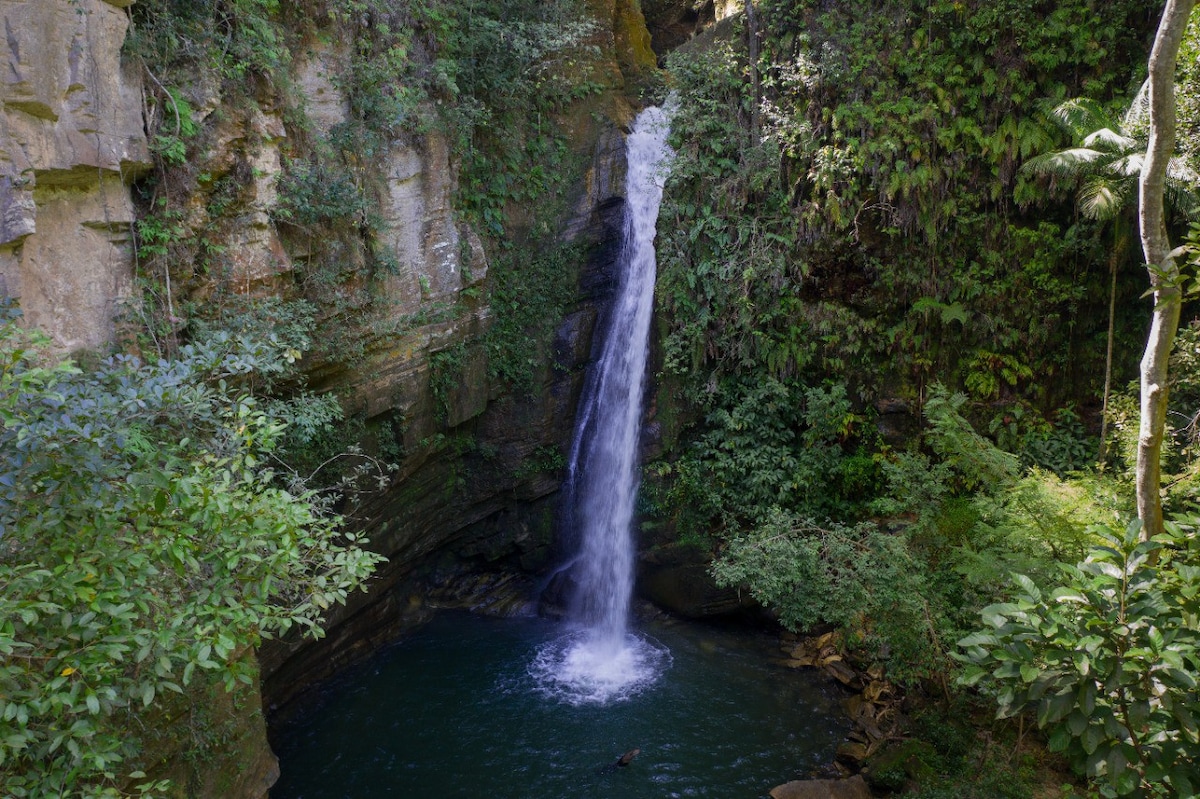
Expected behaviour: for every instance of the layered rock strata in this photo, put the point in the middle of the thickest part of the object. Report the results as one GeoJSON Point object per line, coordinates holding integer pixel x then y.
{"type": "Point", "coordinates": [71, 141]}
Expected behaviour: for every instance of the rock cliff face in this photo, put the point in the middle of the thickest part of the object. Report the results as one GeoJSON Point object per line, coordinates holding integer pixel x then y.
{"type": "Point", "coordinates": [71, 141]}
{"type": "Point", "coordinates": [673, 22]}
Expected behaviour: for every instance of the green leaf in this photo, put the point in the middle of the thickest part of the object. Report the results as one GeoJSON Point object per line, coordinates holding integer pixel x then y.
{"type": "Point", "coordinates": [1028, 586]}
{"type": "Point", "coordinates": [1096, 758]}
{"type": "Point", "coordinates": [1184, 716]}
{"type": "Point", "coordinates": [1069, 595]}
{"type": "Point", "coordinates": [1060, 739]}
{"type": "Point", "coordinates": [1093, 736]}
{"type": "Point", "coordinates": [978, 639]}
{"type": "Point", "coordinates": [1181, 781]}
{"type": "Point", "coordinates": [1055, 707]}
{"type": "Point", "coordinates": [971, 675]}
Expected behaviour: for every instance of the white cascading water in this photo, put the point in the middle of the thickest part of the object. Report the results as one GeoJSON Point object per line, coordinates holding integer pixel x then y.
{"type": "Point", "coordinates": [602, 662]}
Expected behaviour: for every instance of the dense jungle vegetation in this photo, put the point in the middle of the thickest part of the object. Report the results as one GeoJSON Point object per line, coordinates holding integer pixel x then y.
{"type": "Point", "coordinates": [928, 207]}
{"type": "Point", "coordinates": [888, 252]}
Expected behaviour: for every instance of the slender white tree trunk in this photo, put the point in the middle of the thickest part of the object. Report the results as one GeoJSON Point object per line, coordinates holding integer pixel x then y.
{"type": "Point", "coordinates": [1163, 270]}
{"type": "Point", "coordinates": [755, 78]}
{"type": "Point", "coordinates": [1114, 262]}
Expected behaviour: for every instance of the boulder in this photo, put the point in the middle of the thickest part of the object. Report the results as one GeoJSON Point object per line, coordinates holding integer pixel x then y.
{"type": "Point", "coordinates": [852, 788]}
{"type": "Point", "coordinates": [894, 766]}
{"type": "Point", "coordinates": [675, 577]}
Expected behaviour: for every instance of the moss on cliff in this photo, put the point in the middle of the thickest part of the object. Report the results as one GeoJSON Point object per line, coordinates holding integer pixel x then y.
{"type": "Point", "coordinates": [209, 742]}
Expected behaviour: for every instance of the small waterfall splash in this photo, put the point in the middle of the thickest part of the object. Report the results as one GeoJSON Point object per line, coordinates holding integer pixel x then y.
{"type": "Point", "coordinates": [603, 661]}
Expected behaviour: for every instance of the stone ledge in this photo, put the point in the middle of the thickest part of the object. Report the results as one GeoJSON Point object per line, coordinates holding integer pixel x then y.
{"type": "Point", "coordinates": [853, 788]}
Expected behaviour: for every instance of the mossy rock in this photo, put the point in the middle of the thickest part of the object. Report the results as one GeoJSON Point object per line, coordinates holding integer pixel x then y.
{"type": "Point", "coordinates": [632, 37]}
{"type": "Point", "coordinates": [895, 766]}
{"type": "Point", "coordinates": [207, 741]}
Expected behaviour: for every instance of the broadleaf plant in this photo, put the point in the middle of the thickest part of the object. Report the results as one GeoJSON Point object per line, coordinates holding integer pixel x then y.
{"type": "Point", "coordinates": [1106, 661]}
{"type": "Point", "coordinates": [142, 540]}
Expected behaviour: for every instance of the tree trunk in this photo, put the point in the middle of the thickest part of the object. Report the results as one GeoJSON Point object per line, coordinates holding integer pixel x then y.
{"type": "Point", "coordinates": [755, 80]}
{"type": "Point", "coordinates": [1114, 262]}
{"type": "Point", "coordinates": [1164, 272]}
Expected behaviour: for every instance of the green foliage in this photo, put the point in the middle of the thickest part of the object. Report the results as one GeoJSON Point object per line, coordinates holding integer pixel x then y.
{"type": "Point", "coordinates": [170, 143]}
{"type": "Point", "coordinates": [1187, 98]}
{"type": "Point", "coordinates": [1184, 395]}
{"type": "Point", "coordinates": [265, 339]}
{"type": "Point", "coordinates": [980, 513]}
{"type": "Point", "coordinates": [729, 268]}
{"type": "Point", "coordinates": [1180, 464]}
{"type": "Point", "coordinates": [871, 223]}
{"type": "Point", "coordinates": [857, 578]}
{"type": "Point", "coordinates": [1062, 448]}
{"type": "Point", "coordinates": [1107, 661]}
{"type": "Point", "coordinates": [329, 208]}
{"type": "Point", "coordinates": [142, 540]}
{"type": "Point", "coordinates": [770, 445]}
{"type": "Point", "coordinates": [232, 38]}
{"type": "Point", "coordinates": [509, 66]}
{"type": "Point", "coordinates": [157, 232]}
{"type": "Point", "coordinates": [321, 195]}
{"type": "Point", "coordinates": [997, 781]}
{"type": "Point", "coordinates": [971, 516]}
{"type": "Point", "coordinates": [811, 574]}
{"type": "Point", "coordinates": [445, 372]}
{"type": "Point", "coordinates": [529, 294]}
{"type": "Point", "coordinates": [491, 75]}
{"type": "Point", "coordinates": [383, 84]}
{"type": "Point", "coordinates": [543, 460]}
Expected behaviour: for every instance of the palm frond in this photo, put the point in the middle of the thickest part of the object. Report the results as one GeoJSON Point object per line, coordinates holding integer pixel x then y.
{"type": "Point", "coordinates": [1178, 169]}
{"type": "Point", "coordinates": [1073, 162]}
{"type": "Point", "coordinates": [1109, 140]}
{"type": "Point", "coordinates": [1080, 116]}
{"type": "Point", "coordinates": [1102, 198]}
{"type": "Point", "coordinates": [1127, 166]}
{"type": "Point", "coordinates": [1034, 136]}
{"type": "Point", "coordinates": [1181, 197]}
{"type": "Point", "coordinates": [1139, 109]}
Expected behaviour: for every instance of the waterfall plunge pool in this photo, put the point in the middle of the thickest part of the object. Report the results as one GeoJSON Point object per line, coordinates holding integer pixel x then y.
{"type": "Point", "coordinates": [458, 709]}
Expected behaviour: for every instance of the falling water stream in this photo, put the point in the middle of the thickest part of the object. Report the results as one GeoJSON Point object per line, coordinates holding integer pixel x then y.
{"type": "Point", "coordinates": [600, 661]}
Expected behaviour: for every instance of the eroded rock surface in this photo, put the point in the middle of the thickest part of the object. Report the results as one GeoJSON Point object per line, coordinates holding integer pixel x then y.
{"type": "Point", "coordinates": [71, 140]}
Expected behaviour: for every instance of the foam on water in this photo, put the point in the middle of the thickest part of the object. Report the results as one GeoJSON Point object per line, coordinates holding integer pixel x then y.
{"type": "Point", "coordinates": [584, 669]}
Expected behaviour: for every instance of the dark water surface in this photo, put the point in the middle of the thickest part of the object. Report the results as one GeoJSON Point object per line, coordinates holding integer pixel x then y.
{"type": "Point", "coordinates": [452, 711]}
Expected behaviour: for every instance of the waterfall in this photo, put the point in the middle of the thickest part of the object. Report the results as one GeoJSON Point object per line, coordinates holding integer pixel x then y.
{"type": "Point", "coordinates": [604, 660]}
{"type": "Point", "coordinates": [603, 466]}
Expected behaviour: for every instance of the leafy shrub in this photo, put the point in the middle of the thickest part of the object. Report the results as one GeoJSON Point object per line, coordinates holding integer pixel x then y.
{"type": "Point", "coordinates": [771, 444]}
{"type": "Point", "coordinates": [857, 578]}
{"type": "Point", "coordinates": [1107, 661]}
{"type": "Point", "coordinates": [528, 297]}
{"type": "Point", "coordinates": [866, 221]}
{"type": "Point", "coordinates": [141, 540]}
